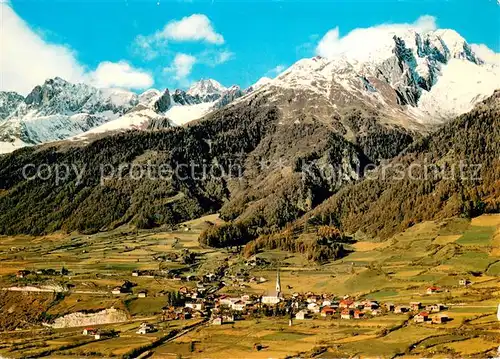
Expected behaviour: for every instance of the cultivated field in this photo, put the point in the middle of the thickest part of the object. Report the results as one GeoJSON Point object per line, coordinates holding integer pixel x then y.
{"type": "Point", "coordinates": [396, 271]}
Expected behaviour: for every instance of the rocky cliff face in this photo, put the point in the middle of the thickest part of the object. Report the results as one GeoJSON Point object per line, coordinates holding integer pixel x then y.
{"type": "Point", "coordinates": [106, 316]}
{"type": "Point", "coordinates": [59, 110]}
{"type": "Point", "coordinates": [231, 94]}
{"type": "Point", "coordinates": [411, 79]}
{"type": "Point", "coordinates": [164, 102]}
{"type": "Point", "coordinates": [9, 101]}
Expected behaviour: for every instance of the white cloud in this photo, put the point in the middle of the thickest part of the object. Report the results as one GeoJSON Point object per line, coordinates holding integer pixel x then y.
{"type": "Point", "coordinates": [194, 28]}
{"type": "Point", "coordinates": [486, 54]}
{"type": "Point", "coordinates": [364, 42]}
{"type": "Point", "coordinates": [181, 66]}
{"type": "Point", "coordinates": [223, 56]}
{"type": "Point", "coordinates": [278, 69]}
{"type": "Point", "coordinates": [214, 57]}
{"type": "Point", "coordinates": [145, 48]}
{"type": "Point", "coordinates": [28, 60]}
{"type": "Point", "coordinates": [120, 74]}
{"type": "Point", "coordinates": [275, 71]}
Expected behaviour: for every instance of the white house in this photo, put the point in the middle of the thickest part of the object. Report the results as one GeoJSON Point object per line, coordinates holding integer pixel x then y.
{"type": "Point", "coordinates": [228, 301]}
{"type": "Point", "coordinates": [116, 290]}
{"type": "Point", "coordinates": [145, 328]}
{"type": "Point", "coordinates": [195, 305]}
{"type": "Point", "coordinates": [313, 307]}
{"type": "Point", "coordinates": [345, 314]}
{"type": "Point", "coordinates": [239, 305]}
{"type": "Point", "coordinates": [301, 315]}
{"type": "Point", "coordinates": [271, 299]}
{"type": "Point", "coordinates": [89, 331]}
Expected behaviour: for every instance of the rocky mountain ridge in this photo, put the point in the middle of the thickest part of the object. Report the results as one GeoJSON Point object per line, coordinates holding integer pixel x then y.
{"type": "Point", "coordinates": [415, 80]}
{"type": "Point", "coordinates": [405, 79]}
{"type": "Point", "coordinates": [58, 110]}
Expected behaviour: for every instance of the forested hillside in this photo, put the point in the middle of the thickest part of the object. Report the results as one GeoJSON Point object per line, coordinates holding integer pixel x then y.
{"type": "Point", "coordinates": [261, 157]}
{"type": "Point", "coordinates": [453, 172]}
{"type": "Point", "coordinates": [274, 172]}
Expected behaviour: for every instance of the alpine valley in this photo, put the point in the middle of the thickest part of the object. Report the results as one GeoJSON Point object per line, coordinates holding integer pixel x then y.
{"type": "Point", "coordinates": [319, 212]}
{"type": "Point", "coordinates": [353, 110]}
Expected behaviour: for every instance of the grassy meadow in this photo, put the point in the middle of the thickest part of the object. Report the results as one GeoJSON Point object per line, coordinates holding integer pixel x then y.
{"type": "Point", "coordinates": [397, 271]}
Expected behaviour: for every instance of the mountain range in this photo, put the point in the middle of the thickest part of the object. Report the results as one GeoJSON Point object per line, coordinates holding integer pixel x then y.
{"type": "Point", "coordinates": [295, 148]}
{"type": "Point", "coordinates": [58, 110]}
{"type": "Point", "coordinates": [411, 79]}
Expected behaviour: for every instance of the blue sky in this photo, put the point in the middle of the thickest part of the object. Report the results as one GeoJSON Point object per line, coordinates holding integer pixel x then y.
{"type": "Point", "coordinates": [245, 40]}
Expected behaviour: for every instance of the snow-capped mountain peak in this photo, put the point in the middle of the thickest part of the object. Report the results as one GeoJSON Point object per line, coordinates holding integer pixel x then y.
{"type": "Point", "coordinates": [408, 77]}
{"type": "Point", "coordinates": [57, 110]}
{"type": "Point", "coordinates": [206, 88]}
{"type": "Point", "coordinates": [261, 82]}
{"type": "Point", "coordinates": [429, 76]}
{"type": "Point", "coordinates": [148, 97]}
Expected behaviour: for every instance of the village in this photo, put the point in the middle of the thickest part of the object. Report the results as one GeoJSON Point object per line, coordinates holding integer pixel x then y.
{"type": "Point", "coordinates": [166, 294]}
{"type": "Point", "coordinates": [203, 302]}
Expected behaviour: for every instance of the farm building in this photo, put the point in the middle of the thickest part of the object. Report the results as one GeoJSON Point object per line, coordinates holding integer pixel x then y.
{"type": "Point", "coordinates": [421, 317]}
{"type": "Point", "coordinates": [145, 328]}
{"type": "Point", "coordinates": [116, 290]}
{"type": "Point", "coordinates": [302, 315]}
{"type": "Point", "coordinates": [433, 290]}
{"type": "Point", "coordinates": [464, 282]}
{"type": "Point", "coordinates": [239, 306]}
{"type": "Point", "coordinates": [22, 273]}
{"type": "Point", "coordinates": [198, 305]}
{"type": "Point", "coordinates": [346, 303]}
{"type": "Point", "coordinates": [440, 319]}
{"type": "Point", "coordinates": [346, 314]}
{"type": "Point", "coordinates": [313, 307]}
{"type": "Point", "coordinates": [89, 331]}
{"type": "Point", "coordinates": [217, 321]}
{"type": "Point", "coordinates": [370, 305]}
{"type": "Point", "coordinates": [327, 311]}
{"type": "Point", "coordinates": [415, 305]}
{"type": "Point", "coordinates": [401, 309]}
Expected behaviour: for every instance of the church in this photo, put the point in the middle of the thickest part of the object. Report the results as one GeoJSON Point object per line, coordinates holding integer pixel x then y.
{"type": "Point", "coordinates": [274, 299]}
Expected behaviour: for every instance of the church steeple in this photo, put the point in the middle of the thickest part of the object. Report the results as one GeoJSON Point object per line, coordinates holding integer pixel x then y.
{"type": "Point", "coordinates": [278, 283]}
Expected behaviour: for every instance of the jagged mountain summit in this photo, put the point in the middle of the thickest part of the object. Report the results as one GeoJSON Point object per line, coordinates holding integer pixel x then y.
{"type": "Point", "coordinates": [407, 78]}
{"type": "Point", "coordinates": [58, 110]}
{"type": "Point", "coordinates": [157, 110]}
{"type": "Point", "coordinates": [403, 78]}
{"type": "Point", "coordinates": [207, 90]}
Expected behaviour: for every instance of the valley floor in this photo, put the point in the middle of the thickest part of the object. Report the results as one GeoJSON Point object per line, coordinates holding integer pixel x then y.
{"type": "Point", "coordinates": [397, 271]}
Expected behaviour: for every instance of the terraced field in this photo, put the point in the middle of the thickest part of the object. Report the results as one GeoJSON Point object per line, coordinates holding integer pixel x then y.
{"type": "Point", "coordinates": [396, 271]}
